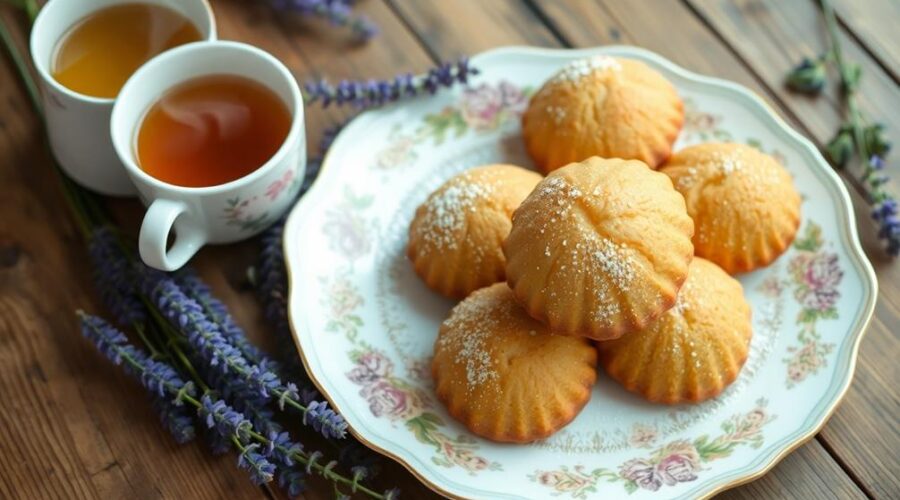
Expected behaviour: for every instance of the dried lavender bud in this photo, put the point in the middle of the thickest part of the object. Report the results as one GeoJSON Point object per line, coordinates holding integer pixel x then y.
{"type": "Point", "coordinates": [840, 148]}
{"type": "Point", "coordinates": [876, 141]}
{"type": "Point", "coordinates": [807, 77]}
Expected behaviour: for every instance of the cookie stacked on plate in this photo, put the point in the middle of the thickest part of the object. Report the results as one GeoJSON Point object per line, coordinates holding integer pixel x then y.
{"type": "Point", "coordinates": [603, 260]}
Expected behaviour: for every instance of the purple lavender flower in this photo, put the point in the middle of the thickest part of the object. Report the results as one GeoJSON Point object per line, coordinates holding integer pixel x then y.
{"type": "Point", "coordinates": [293, 481]}
{"type": "Point", "coordinates": [370, 93]}
{"type": "Point", "coordinates": [885, 206]}
{"type": "Point", "coordinates": [206, 337]}
{"type": "Point", "coordinates": [113, 277]}
{"type": "Point", "coordinates": [193, 286]}
{"type": "Point", "coordinates": [324, 420]}
{"type": "Point", "coordinates": [223, 418]}
{"type": "Point", "coordinates": [159, 378]}
{"type": "Point", "coordinates": [217, 444]}
{"type": "Point", "coordinates": [176, 419]}
{"type": "Point", "coordinates": [261, 470]}
{"type": "Point", "coordinates": [337, 12]}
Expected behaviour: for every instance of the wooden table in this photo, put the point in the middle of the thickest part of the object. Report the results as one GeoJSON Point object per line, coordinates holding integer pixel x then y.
{"type": "Point", "coordinates": [72, 426]}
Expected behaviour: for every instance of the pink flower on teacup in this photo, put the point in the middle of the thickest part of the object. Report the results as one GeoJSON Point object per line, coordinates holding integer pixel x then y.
{"type": "Point", "coordinates": [370, 367]}
{"type": "Point", "coordinates": [278, 185]}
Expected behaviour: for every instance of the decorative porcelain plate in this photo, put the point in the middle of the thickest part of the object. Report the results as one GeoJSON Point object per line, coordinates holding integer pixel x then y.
{"type": "Point", "coordinates": [365, 324]}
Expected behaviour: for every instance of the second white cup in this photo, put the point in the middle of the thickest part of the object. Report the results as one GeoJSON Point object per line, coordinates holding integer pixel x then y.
{"type": "Point", "coordinates": [217, 214]}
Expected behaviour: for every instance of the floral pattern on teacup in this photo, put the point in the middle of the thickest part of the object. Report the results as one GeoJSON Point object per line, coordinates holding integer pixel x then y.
{"type": "Point", "coordinates": [251, 213]}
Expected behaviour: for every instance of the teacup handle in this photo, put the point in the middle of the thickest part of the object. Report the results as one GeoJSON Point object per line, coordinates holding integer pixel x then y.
{"type": "Point", "coordinates": [161, 217]}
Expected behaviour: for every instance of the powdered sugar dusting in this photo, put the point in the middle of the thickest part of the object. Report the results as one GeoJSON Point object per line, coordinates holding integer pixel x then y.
{"type": "Point", "coordinates": [580, 68]}
{"type": "Point", "coordinates": [612, 264]}
{"type": "Point", "coordinates": [446, 211]}
{"type": "Point", "coordinates": [470, 325]}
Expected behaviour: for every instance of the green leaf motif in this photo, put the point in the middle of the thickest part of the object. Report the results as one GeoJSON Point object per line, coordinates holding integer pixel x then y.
{"type": "Point", "coordinates": [811, 241]}
{"type": "Point", "coordinates": [438, 125]}
{"type": "Point", "coordinates": [422, 429]}
{"type": "Point", "coordinates": [630, 487]}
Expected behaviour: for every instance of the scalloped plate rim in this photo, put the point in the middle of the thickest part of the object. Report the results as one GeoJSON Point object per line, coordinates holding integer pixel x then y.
{"type": "Point", "coordinates": [767, 457]}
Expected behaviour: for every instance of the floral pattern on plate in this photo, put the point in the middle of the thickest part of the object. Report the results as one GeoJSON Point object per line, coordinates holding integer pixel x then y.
{"type": "Point", "coordinates": [483, 108]}
{"type": "Point", "coordinates": [679, 461]}
{"type": "Point", "coordinates": [366, 323]}
{"type": "Point", "coordinates": [392, 397]}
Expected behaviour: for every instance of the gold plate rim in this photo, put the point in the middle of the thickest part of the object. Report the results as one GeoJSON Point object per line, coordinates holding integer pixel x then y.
{"type": "Point", "coordinates": [858, 330]}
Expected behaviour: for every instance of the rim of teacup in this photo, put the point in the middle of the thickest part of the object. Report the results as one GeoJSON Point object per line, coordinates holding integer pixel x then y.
{"type": "Point", "coordinates": [42, 64]}
{"type": "Point", "coordinates": [123, 136]}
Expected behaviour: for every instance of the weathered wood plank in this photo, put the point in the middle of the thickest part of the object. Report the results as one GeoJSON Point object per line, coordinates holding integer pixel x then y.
{"type": "Point", "coordinates": [772, 36]}
{"type": "Point", "coordinates": [808, 472]}
{"type": "Point", "coordinates": [64, 408]}
{"type": "Point", "coordinates": [873, 23]}
{"type": "Point", "coordinates": [594, 25]}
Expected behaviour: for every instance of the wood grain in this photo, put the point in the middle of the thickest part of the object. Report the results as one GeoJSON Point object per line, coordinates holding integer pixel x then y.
{"type": "Point", "coordinates": [869, 22]}
{"type": "Point", "coordinates": [73, 427]}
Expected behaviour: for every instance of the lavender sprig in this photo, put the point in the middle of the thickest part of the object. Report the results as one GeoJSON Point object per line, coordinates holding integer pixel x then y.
{"type": "Point", "coordinates": [854, 136]}
{"type": "Point", "coordinates": [191, 283]}
{"type": "Point", "coordinates": [176, 419]}
{"type": "Point", "coordinates": [206, 337]}
{"type": "Point", "coordinates": [162, 380]}
{"type": "Point", "coordinates": [337, 12]}
{"type": "Point", "coordinates": [156, 376]}
{"type": "Point", "coordinates": [113, 277]}
{"type": "Point", "coordinates": [370, 93]}
{"type": "Point", "coordinates": [261, 470]}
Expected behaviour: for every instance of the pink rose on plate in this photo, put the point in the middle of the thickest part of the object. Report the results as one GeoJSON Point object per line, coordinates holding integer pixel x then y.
{"type": "Point", "coordinates": [680, 465]}
{"type": "Point", "coordinates": [551, 478]}
{"type": "Point", "coordinates": [677, 469]}
{"type": "Point", "coordinates": [370, 367]}
{"type": "Point", "coordinates": [465, 458]}
{"type": "Point", "coordinates": [347, 233]}
{"type": "Point", "coordinates": [641, 472]}
{"type": "Point", "coordinates": [385, 399]}
{"type": "Point", "coordinates": [486, 106]}
{"type": "Point", "coordinates": [818, 275]}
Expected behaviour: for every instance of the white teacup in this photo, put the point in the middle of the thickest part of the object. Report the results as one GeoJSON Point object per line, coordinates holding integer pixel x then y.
{"type": "Point", "coordinates": [217, 214]}
{"type": "Point", "coordinates": [78, 124]}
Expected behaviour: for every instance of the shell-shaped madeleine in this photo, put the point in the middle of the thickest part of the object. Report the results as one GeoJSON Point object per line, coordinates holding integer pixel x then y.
{"type": "Point", "coordinates": [694, 350]}
{"type": "Point", "coordinates": [503, 375]}
{"type": "Point", "coordinates": [456, 235]}
{"type": "Point", "coordinates": [602, 106]}
{"type": "Point", "coordinates": [745, 209]}
{"type": "Point", "coordinates": [599, 248]}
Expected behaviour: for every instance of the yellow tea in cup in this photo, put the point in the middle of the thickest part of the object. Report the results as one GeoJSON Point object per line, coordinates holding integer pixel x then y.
{"type": "Point", "coordinates": [102, 50]}
{"type": "Point", "coordinates": [211, 130]}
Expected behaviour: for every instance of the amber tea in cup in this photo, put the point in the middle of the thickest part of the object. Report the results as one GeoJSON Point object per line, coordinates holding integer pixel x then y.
{"type": "Point", "coordinates": [211, 130]}
{"type": "Point", "coordinates": [101, 52]}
